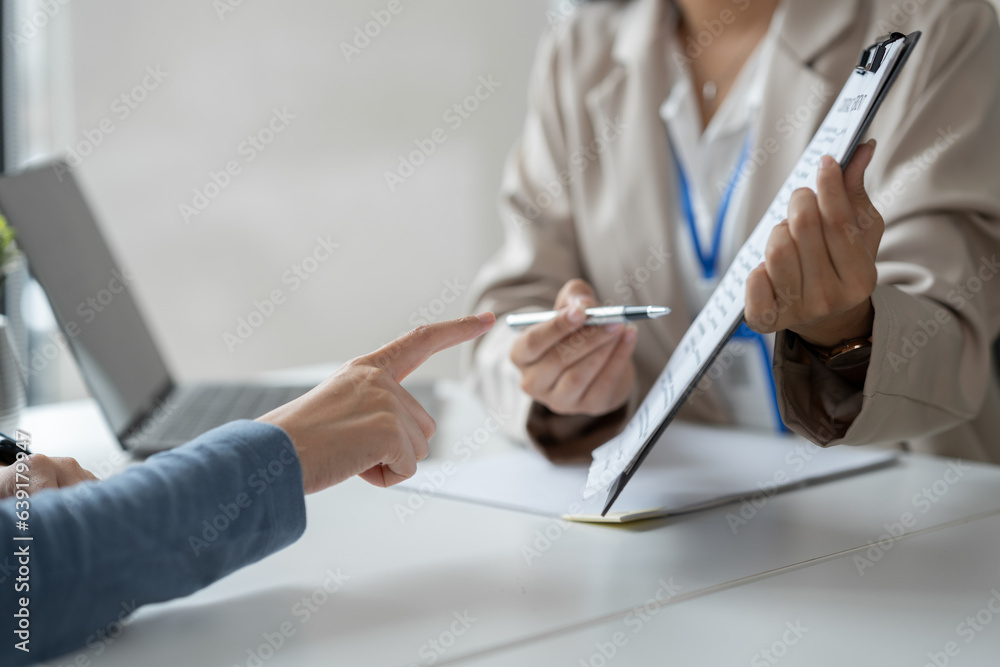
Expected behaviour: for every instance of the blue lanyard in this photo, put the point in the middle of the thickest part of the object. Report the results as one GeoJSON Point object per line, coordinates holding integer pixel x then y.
{"type": "Point", "coordinates": [749, 334]}
{"type": "Point", "coordinates": [709, 262]}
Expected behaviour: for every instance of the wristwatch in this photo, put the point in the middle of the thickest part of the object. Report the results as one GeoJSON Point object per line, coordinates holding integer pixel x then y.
{"type": "Point", "coordinates": [842, 356]}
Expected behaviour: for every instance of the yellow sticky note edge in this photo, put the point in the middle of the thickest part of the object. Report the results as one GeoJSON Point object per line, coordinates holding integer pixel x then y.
{"type": "Point", "coordinates": [618, 517]}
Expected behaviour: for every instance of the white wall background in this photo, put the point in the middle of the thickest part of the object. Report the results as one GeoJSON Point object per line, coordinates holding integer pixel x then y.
{"type": "Point", "coordinates": [322, 176]}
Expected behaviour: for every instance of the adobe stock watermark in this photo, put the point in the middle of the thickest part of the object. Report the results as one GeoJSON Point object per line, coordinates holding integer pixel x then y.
{"type": "Point", "coordinates": [79, 493]}
{"type": "Point", "coordinates": [726, 359]}
{"type": "Point", "coordinates": [913, 168]}
{"type": "Point", "coordinates": [223, 8]}
{"type": "Point", "coordinates": [88, 310]}
{"type": "Point", "coordinates": [434, 648]}
{"type": "Point", "coordinates": [247, 152]}
{"type": "Point", "coordinates": [635, 620]}
{"type": "Point", "coordinates": [571, 347]}
{"type": "Point", "coordinates": [633, 280]}
{"type": "Point", "coordinates": [923, 502]}
{"type": "Point", "coordinates": [122, 107]}
{"type": "Point", "coordinates": [454, 116]}
{"type": "Point", "coordinates": [898, 15]}
{"type": "Point", "coordinates": [364, 35]}
{"type": "Point", "coordinates": [293, 277]}
{"type": "Point", "coordinates": [543, 539]}
{"type": "Point", "coordinates": [22, 543]}
{"type": "Point", "coordinates": [561, 12]}
{"type": "Point", "coordinates": [779, 648]}
{"type": "Point", "coordinates": [463, 450]}
{"type": "Point", "coordinates": [101, 639]}
{"type": "Point", "coordinates": [303, 610]}
{"type": "Point", "coordinates": [227, 514]}
{"type": "Point", "coordinates": [784, 127]}
{"type": "Point", "coordinates": [783, 301]}
{"type": "Point", "coordinates": [967, 630]}
{"type": "Point", "coordinates": [431, 312]}
{"type": "Point", "coordinates": [39, 17]}
{"type": "Point", "coordinates": [160, 412]}
{"type": "Point", "coordinates": [910, 172]}
{"type": "Point", "coordinates": [626, 287]}
{"type": "Point", "coordinates": [910, 344]}
{"type": "Point", "coordinates": [966, 291]}
{"type": "Point", "coordinates": [710, 30]}
{"type": "Point", "coordinates": [795, 460]}
{"type": "Point", "coordinates": [642, 615]}
{"type": "Point", "coordinates": [578, 162]}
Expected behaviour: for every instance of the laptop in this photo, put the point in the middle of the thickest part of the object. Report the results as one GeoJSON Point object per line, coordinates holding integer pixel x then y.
{"type": "Point", "coordinates": [114, 349]}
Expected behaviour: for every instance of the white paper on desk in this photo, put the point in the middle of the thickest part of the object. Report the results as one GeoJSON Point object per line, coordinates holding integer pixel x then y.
{"type": "Point", "coordinates": [693, 467]}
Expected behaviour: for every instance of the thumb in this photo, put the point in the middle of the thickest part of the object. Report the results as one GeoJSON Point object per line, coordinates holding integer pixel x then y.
{"type": "Point", "coordinates": [576, 292]}
{"type": "Point", "coordinates": [854, 175]}
{"type": "Point", "coordinates": [405, 354]}
{"type": "Point", "coordinates": [868, 218]}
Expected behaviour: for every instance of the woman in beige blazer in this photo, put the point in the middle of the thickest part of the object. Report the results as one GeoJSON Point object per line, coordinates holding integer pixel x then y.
{"type": "Point", "coordinates": [590, 203]}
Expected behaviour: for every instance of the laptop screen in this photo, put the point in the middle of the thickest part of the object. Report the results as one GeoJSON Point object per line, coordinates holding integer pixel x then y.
{"type": "Point", "coordinates": [88, 289]}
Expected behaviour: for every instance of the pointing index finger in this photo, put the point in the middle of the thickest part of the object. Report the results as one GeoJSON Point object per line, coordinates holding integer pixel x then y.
{"type": "Point", "coordinates": [405, 354]}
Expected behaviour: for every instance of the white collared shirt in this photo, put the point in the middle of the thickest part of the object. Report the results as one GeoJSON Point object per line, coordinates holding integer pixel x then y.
{"type": "Point", "coordinates": [709, 161]}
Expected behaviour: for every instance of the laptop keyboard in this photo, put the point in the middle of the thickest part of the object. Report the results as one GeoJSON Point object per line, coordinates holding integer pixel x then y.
{"type": "Point", "coordinates": [195, 409]}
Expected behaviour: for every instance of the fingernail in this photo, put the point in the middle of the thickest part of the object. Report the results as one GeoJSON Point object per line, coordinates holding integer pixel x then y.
{"type": "Point", "coordinates": [576, 314]}
{"type": "Point", "coordinates": [631, 333]}
{"type": "Point", "coordinates": [614, 328]}
{"type": "Point", "coordinates": [872, 143]}
{"type": "Point", "coordinates": [486, 318]}
{"type": "Point", "coordinates": [826, 162]}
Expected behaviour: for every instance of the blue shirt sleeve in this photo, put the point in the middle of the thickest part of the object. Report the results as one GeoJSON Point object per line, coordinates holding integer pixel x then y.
{"type": "Point", "coordinates": [157, 531]}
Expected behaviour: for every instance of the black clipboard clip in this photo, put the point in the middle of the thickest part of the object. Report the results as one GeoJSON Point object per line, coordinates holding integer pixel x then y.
{"type": "Point", "coordinates": [872, 57]}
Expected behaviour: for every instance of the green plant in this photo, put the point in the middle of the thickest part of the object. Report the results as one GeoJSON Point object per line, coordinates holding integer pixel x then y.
{"type": "Point", "coordinates": [7, 247]}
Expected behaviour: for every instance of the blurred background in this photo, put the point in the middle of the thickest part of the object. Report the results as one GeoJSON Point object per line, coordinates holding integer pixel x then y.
{"type": "Point", "coordinates": [314, 101]}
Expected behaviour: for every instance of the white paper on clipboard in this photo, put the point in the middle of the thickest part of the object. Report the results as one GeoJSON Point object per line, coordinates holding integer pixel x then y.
{"type": "Point", "coordinates": [852, 112]}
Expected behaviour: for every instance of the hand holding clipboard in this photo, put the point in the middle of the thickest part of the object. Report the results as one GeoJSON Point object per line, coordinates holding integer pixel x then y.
{"type": "Point", "coordinates": [615, 462]}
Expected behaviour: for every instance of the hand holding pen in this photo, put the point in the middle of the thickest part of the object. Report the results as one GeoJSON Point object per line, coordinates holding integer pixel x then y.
{"type": "Point", "coordinates": [595, 316]}
{"type": "Point", "coordinates": [572, 368]}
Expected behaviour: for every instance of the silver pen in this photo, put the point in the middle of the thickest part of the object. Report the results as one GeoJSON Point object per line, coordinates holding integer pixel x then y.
{"type": "Point", "coordinates": [595, 316]}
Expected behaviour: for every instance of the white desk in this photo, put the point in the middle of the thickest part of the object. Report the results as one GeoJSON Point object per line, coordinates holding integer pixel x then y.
{"type": "Point", "coordinates": [911, 605]}
{"type": "Point", "coordinates": [733, 593]}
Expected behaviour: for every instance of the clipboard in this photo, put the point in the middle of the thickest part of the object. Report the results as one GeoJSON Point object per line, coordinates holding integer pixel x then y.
{"type": "Point", "coordinates": [616, 462]}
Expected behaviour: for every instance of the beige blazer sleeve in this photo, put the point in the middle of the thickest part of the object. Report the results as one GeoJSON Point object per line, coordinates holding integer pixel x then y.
{"type": "Point", "coordinates": [539, 255]}
{"type": "Point", "coordinates": [936, 181]}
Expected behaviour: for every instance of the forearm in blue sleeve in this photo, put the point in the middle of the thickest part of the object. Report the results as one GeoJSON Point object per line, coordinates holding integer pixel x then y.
{"type": "Point", "coordinates": [160, 530]}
